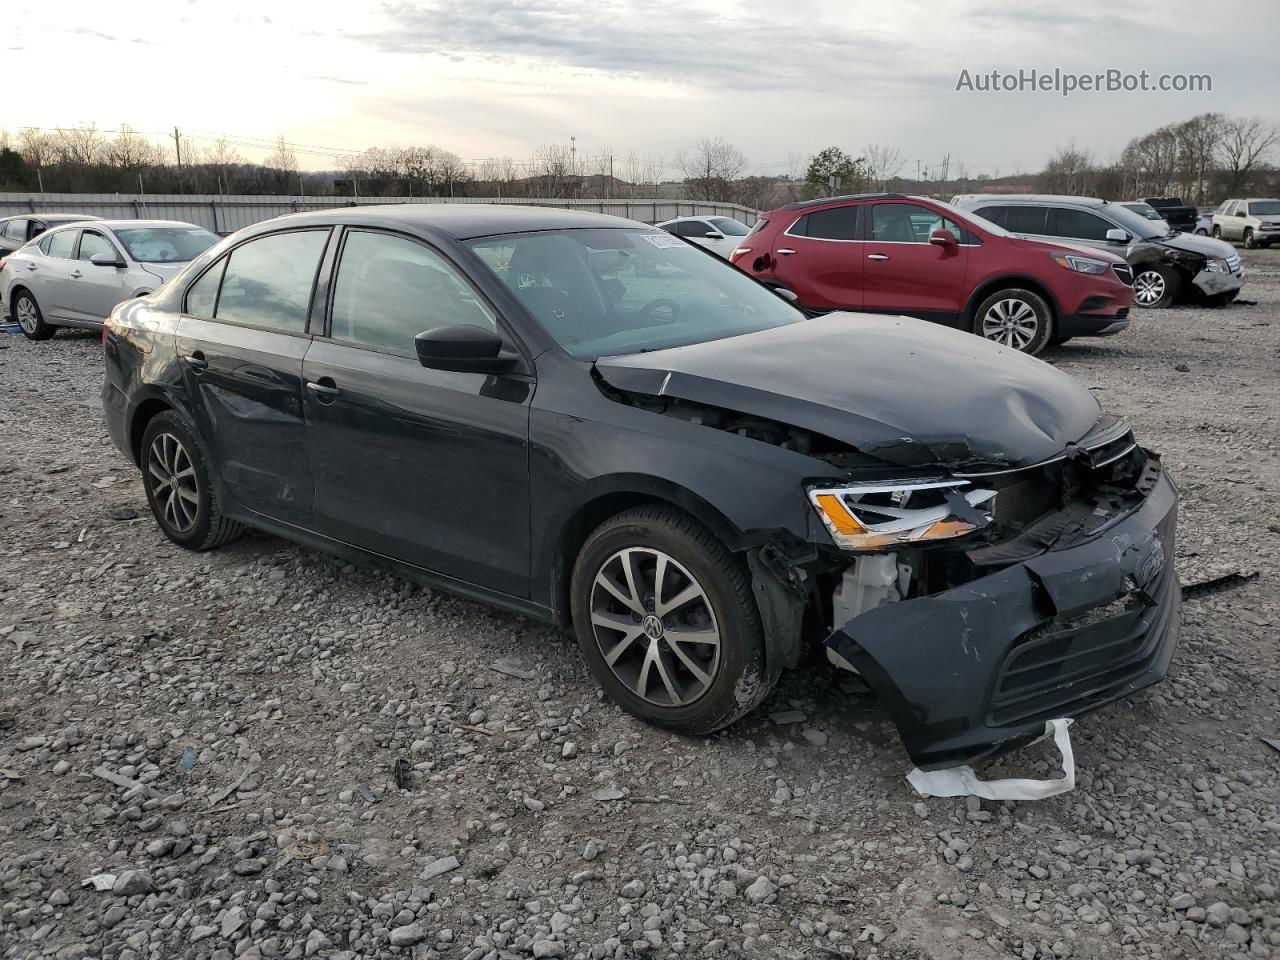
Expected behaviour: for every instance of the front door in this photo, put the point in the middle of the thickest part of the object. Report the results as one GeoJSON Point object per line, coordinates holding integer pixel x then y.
{"type": "Point", "coordinates": [905, 272]}
{"type": "Point", "coordinates": [820, 258]}
{"type": "Point", "coordinates": [426, 466]}
{"type": "Point", "coordinates": [95, 289]}
{"type": "Point", "coordinates": [241, 342]}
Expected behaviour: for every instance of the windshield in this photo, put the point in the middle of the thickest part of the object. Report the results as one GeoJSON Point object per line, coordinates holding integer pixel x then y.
{"type": "Point", "coordinates": [729, 226]}
{"type": "Point", "coordinates": [602, 293]}
{"type": "Point", "coordinates": [1265, 208]}
{"type": "Point", "coordinates": [982, 223]}
{"type": "Point", "coordinates": [166, 244]}
{"type": "Point", "coordinates": [1137, 224]}
{"type": "Point", "coordinates": [1144, 210]}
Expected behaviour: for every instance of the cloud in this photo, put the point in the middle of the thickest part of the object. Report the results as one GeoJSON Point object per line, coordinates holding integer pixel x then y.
{"type": "Point", "coordinates": [666, 40]}
{"type": "Point", "coordinates": [317, 76]}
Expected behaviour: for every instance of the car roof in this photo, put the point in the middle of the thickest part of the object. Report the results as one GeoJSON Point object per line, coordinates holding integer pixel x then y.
{"type": "Point", "coordinates": [461, 221]}
{"type": "Point", "coordinates": [1261, 200]}
{"type": "Point", "coordinates": [49, 217]}
{"type": "Point", "coordinates": [823, 201]}
{"type": "Point", "coordinates": [1031, 198]}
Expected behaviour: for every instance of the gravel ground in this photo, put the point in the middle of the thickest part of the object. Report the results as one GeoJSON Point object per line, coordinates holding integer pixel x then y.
{"type": "Point", "coordinates": [543, 822]}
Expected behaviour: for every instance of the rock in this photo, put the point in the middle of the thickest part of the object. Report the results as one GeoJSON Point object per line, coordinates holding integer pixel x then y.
{"type": "Point", "coordinates": [438, 867]}
{"type": "Point", "coordinates": [816, 737]}
{"type": "Point", "coordinates": [408, 935]}
{"type": "Point", "coordinates": [1218, 914]}
{"type": "Point", "coordinates": [232, 921]}
{"type": "Point", "coordinates": [761, 890]}
{"type": "Point", "coordinates": [787, 716]}
{"type": "Point", "coordinates": [590, 851]}
{"type": "Point", "coordinates": [547, 948]}
{"type": "Point", "coordinates": [202, 933]}
{"type": "Point", "coordinates": [1182, 901]}
{"type": "Point", "coordinates": [133, 882]}
{"type": "Point", "coordinates": [633, 890]}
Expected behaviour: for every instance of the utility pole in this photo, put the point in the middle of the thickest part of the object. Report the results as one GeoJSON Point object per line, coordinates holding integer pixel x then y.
{"type": "Point", "coordinates": [573, 162]}
{"type": "Point", "coordinates": [177, 149]}
{"type": "Point", "coordinates": [609, 190]}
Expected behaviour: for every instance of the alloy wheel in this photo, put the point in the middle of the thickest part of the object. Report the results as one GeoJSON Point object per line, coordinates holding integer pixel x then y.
{"type": "Point", "coordinates": [1011, 322]}
{"type": "Point", "coordinates": [173, 482]}
{"type": "Point", "coordinates": [655, 627]}
{"type": "Point", "coordinates": [26, 313]}
{"type": "Point", "coordinates": [1148, 287]}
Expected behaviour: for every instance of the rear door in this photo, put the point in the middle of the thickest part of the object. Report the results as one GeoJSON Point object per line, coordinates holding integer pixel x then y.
{"type": "Point", "coordinates": [241, 341]}
{"type": "Point", "coordinates": [94, 289]}
{"type": "Point", "coordinates": [426, 466]}
{"type": "Point", "coordinates": [49, 277]}
{"type": "Point", "coordinates": [905, 272]}
{"type": "Point", "coordinates": [821, 258]}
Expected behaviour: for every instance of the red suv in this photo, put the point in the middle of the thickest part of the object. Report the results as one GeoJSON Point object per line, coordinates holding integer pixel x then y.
{"type": "Point", "coordinates": [889, 253]}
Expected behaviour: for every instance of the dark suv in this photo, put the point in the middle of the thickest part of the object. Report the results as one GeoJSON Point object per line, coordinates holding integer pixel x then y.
{"type": "Point", "coordinates": [1168, 266]}
{"type": "Point", "coordinates": [888, 253]}
{"type": "Point", "coordinates": [590, 421]}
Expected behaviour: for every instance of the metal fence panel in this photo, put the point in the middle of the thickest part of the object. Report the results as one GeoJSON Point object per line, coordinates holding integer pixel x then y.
{"type": "Point", "coordinates": [227, 214]}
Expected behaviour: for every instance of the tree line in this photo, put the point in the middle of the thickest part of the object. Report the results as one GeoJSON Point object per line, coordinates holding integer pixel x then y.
{"type": "Point", "coordinates": [1203, 159]}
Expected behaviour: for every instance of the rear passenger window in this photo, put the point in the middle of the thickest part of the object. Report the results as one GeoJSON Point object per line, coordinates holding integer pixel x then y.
{"type": "Point", "coordinates": [267, 282]}
{"type": "Point", "coordinates": [1076, 225]}
{"type": "Point", "coordinates": [1025, 219]}
{"type": "Point", "coordinates": [15, 230]}
{"type": "Point", "coordinates": [202, 297]}
{"type": "Point", "coordinates": [62, 244]}
{"type": "Point", "coordinates": [994, 214]}
{"type": "Point", "coordinates": [390, 289]}
{"type": "Point", "coordinates": [838, 223]}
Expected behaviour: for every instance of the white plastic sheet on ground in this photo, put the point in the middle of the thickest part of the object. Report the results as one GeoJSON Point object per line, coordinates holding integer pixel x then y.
{"type": "Point", "coordinates": [963, 782]}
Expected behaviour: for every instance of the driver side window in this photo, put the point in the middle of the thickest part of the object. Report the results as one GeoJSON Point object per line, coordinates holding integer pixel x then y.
{"type": "Point", "coordinates": [389, 289]}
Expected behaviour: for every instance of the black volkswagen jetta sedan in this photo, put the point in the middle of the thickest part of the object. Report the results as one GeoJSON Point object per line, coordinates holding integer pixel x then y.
{"type": "Point", "coordinates": [588, 420]}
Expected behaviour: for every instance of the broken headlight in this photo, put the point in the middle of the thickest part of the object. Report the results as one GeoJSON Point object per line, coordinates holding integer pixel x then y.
{"type": "Point", "coordinates": [876, 515]}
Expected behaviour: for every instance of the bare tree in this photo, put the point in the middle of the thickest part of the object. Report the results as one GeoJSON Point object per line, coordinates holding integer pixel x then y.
{"type": "Point", "coordinates": [883, 164]}
{"type": "Point", "coordinates": [710, 169]}
{"type": "Point", "coordinates": [1069, 171]}
{"type": "Point", "coordinates": [80, 146]}
{"type": "Point", "coordinates": [1199, 141]}
{"type": "Point", "coordinates": [130, 150]}
{"type": "Point", "coordinates": [35, 146]}
{"type": "Point", "coordinates": [282, 158]}
{"type": "Point", "coordinates": [1247, 142]}
{"type": "Point", "coordinates": [550, 170]}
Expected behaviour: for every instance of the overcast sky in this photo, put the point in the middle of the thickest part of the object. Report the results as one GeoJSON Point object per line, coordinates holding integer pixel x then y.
{"type": "Point", "coordinates": [498, 77]}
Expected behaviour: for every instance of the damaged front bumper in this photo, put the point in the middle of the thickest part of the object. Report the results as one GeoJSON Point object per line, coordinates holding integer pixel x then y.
{"type": "Point", "coordinates": [1214, 283]}
{"type": "Point", "coordinates": [978, 669]}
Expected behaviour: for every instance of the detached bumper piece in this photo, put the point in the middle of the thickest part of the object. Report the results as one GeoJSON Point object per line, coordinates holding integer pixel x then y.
{"type": "Point", "coordinates": [978, 669]}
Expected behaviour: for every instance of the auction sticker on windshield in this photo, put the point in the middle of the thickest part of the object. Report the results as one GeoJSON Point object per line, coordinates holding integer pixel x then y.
{"type": "Point", "coordinates": [663, 240]}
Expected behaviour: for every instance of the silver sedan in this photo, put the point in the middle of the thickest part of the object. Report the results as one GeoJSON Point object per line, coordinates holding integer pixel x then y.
{"type": "Point", "coordinates": [73, 275]}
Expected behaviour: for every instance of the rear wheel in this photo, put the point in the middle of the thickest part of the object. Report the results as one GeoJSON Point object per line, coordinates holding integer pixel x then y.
{"type": "Point", "coordinates": [175, 475]}
{"type": "Point", "coordinates": [1217, 233]}
{"type": "Point", "coordinates": [666, 620]}
{"type": "Point", "coordinates": [1016, 318]}
{"type": "Point", "coordinates": [27, 312]}
{"type": "Point", "coordinates": [1156, 287]}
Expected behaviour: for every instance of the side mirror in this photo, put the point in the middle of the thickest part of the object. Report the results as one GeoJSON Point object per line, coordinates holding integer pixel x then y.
{"type": "Point", "coordinates": [105, 260]}
{"type": "Point", "coordinates": [714, 235]}
{"type": "Point", "coordinates": [1116, 235]}
{"type": "Point", "coordinates": [463, 348]}
{"type": "Point", "coordinates": [943, 238]}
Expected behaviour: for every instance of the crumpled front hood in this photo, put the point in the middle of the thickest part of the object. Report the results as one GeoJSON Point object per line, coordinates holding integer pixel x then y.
{"type": "Point", "coordinates": [910, 392]}
{"type": "Point", "coordinates": [1191, 243]}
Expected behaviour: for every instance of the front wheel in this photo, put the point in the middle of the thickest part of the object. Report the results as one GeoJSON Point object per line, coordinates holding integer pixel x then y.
{"type": "Point", "coordinates": [27, 312]}
{"type": "Point", "coordinates": [1156, 287]}
{"type": "Point", "coordinates": [175, 475]}
{"type": "Point", "coordinates": [1217, 233]}
{"type": "Point", "coordinates": [1248, 240]}
{"type": "Point", "coordinates": [667, 623]}
{"type": "Point", "coordinates": [1015, 318]}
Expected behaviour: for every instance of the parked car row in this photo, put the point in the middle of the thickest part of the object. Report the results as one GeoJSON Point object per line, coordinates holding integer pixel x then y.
{"type": "Point", "coordinates": [78, 268]}
{"type": "Point", "coordinates": [593, 422]}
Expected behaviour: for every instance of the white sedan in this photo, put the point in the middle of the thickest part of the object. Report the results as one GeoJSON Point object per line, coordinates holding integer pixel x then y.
{"type": "Point", "coordinates": [720, 235]}
{"type": "Point", "coordinates": [71, 276]}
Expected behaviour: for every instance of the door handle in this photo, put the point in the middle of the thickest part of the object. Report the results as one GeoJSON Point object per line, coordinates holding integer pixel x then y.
{"type": "Point", "coordinates": [877, 256]}
{"type": "Point", "coordinates": [76, 274]}
{"type": "Point", "coordinates": [197, 362]}
{"type": "Point", "coordinates": [325, 393]}
{"type": "Point", "coordinates": [785, 251]}
{"type": "Point", "coordinates": [31, 266]}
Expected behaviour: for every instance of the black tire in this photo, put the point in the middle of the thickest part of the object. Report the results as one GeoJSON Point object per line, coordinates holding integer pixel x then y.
{"type": "Point", "coordinates": [191, 516]}
{"type": "Point", "coordinates": [1155, 288]}
{"type": "Point", "coordinates": [736, 680]}
{"type": "Point", "coordinates": [1248, 239]}
{"type": "Point", "coordinates": [1030, 334]}
{"type": "Point", "coordinates": [1217, 233]}
{"type": "Point", "coordinates": [30, 319]}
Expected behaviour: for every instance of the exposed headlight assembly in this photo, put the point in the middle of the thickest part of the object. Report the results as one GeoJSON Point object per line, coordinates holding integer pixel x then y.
{"type": "Point", "coordinates": [1217, 266]}
{"type": "Point", "coordinates": [879, 515]}
{"type": "Point", "coordinates": [1079, 264]}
